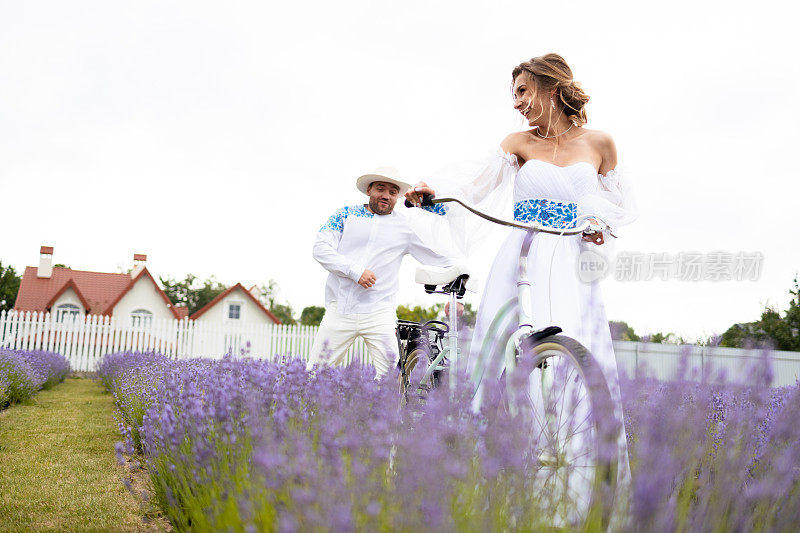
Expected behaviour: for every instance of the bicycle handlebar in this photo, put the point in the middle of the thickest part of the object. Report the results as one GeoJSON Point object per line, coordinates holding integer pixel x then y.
{"type": "Point", "coordinates": [429, 200]}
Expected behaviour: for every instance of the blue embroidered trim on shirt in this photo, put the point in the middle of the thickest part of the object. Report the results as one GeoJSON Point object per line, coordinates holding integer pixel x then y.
{"type": "Point", "coordinates": [336, 220]}
{"type": "Point", "coordinates": [550, 213]}
{"type": "Point", "coordinates": [436, 209]}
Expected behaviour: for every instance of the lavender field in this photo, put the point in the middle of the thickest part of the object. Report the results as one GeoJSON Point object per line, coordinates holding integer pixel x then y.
{"type": "Point", "coordinates": [24, 372]}
{"type": "Point", "coordinates": [251, 445]}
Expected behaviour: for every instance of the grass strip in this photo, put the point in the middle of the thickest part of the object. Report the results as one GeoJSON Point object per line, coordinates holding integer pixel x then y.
{"type": "Point", "coordinates": [58, 469]}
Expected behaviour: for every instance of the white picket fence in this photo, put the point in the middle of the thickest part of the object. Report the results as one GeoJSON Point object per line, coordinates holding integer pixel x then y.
{"type": "Point", "coordinates": [84, 340]}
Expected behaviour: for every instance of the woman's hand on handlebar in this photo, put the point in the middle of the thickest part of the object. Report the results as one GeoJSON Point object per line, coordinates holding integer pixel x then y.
{"type": "Point", "coordinates": [414, 194]}
{"type": "Point", "coordinates": [595, 236]}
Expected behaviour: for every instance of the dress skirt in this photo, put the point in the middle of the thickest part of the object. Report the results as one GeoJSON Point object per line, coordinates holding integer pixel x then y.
{"type": "Point", "coordinates": [559, 298]}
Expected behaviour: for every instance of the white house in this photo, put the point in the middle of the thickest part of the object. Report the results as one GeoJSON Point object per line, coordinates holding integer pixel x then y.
{"type": "Point", "coordinates": [236, 305]}
{"type": "Point", "coordinates": [133, 298]}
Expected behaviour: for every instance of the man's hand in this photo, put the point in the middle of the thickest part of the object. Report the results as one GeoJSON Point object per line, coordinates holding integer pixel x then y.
{"type": "Point", "coordinates": [367, 279]}
{"type": "Point", "coordinates": [459, 309]}
{"type": "Point", "coordinates": [414, 194]}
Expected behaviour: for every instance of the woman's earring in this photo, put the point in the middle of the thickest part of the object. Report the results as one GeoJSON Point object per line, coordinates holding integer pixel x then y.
{"type": "Point", "coordinates": [552, 104]}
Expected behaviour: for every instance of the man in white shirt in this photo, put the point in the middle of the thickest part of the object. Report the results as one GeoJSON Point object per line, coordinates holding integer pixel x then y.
{"type": "Point", "coordinates": [362, 247]}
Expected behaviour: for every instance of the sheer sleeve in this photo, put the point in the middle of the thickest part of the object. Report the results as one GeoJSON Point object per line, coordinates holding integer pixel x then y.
{"type": "Point", "coordinates": [613, 201]}
{"type": "Point", "coordinates": [488, 181]}
{"type": "Point", "coordinates": [487, 184]}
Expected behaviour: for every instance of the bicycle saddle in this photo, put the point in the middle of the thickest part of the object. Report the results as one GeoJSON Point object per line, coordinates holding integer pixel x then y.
{"type": "Point", "coordinates": [432, 275]}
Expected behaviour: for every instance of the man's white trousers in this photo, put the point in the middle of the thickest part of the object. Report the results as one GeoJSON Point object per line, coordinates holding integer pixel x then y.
{"type": "Point", "coordinates": [337, 332]}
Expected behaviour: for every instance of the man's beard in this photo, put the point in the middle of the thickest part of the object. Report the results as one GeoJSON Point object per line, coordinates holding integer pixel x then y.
{"type": "Point", "coordinates": [376, 208]}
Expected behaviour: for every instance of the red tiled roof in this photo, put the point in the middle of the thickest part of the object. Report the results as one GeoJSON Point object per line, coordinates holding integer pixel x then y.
{"type": "Point", "coordinates": [133, 282]}
{"type": "Point", "coordinates": [70, 284]}
{"type": "Point", "coordinates": [98, 291]}
{"type": "Point", "coordinates": [216, 300]}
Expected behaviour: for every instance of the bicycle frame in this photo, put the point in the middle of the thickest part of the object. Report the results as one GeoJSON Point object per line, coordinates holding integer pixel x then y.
{"type": "Point", "coordinates": [524, 328]}
{"type": "Point", "coordinates": [558, 457]}
{"type": "Point", "coordinates": [451, 347]}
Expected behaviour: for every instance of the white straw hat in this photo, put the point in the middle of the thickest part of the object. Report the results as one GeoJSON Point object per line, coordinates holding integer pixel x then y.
{"type": "Point", "coordinates": [385, 174]}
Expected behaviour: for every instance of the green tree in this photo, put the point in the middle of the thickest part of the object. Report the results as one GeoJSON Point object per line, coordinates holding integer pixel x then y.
{"type": "Point", "coordinates": [792, 316]}
{"type": "Point", "coordinates": [435, 312]}
{"type": "Point", "coordinates": [282, 310]}
{"type": "Point", "coordinates": [711, 340]}
{"type": "Point", "coordinates": [621, 331]}
{"type": "Point", "coordinates": [9, 286]}
{"type": "Point", "coordinates": [179, 292]}
{"type": "Point", "coordinates": [773, 329]}
{"type": "Point", "coordinates": [664, 338]}
{"type": "Point", "coordinates": [312, 315]}
{"type": "Point", "coordinates": [285, 313]}
{"type": "Point", "coordinates": [210, 289]}
{"type": "Point", "coordinates": [659, 338]}
{"type": "Point", "coordinates": [470, 314]}
{"type": "Point", "coordinates": [735, 335]}
{"type": "Point", "coordinates": [419, 313]}
{"type": "Point", "coordinates": [190, 292]}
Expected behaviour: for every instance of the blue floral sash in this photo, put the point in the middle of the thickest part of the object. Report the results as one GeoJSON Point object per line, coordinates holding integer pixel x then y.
{"type": "Point", "coordinates": [550, 213]}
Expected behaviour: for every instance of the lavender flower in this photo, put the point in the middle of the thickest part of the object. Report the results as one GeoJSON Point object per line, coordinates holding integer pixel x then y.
{"type": "Point", "coordinates": [23, 372]}
{"type": "Point", "coordinates": [248, 444]}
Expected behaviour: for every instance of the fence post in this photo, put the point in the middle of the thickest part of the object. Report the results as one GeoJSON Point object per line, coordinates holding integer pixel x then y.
{"type": "Point", "coordinates": [702, 363]}
{"type": "Point", "coordinates": [2, 327]}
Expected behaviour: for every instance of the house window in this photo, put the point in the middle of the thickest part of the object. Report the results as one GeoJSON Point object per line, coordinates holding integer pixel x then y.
{"type": "Point", "coordinates": [234, 311]}
{"type": "Point", "coordinates": [141, 317]}
{"type": "Point", "coordinates": [66, 312]}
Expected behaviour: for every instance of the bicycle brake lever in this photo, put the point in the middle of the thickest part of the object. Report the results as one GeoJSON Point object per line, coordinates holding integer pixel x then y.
{"type": "Point", "coordinates": [599, 228]}
{"type": "Point", "coordinates": [604, 232]}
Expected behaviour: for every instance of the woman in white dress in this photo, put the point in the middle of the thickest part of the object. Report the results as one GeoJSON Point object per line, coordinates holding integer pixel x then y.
{"type": "Point", "coordinates": [553, 172]}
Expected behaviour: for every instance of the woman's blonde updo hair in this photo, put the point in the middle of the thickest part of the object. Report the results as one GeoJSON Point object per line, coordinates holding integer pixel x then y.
{"type": "Point", "coordinates": [551, 71]}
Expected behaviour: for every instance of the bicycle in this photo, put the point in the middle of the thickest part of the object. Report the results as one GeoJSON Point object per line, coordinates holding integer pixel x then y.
{"type": "Point", "coordinates": [418, 342]}
{"type": "Point", "coordinates": [573, 439]}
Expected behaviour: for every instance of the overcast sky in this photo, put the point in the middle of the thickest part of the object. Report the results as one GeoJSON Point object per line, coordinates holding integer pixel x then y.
{"type": "Point", "coordinates": [217, 137]}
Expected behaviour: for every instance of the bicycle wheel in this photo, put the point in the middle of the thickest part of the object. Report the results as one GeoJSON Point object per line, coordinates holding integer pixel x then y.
{"type": "Point", "coordinates": [414, 357]}
{"type": "Point", "coordinates": [575, 433]}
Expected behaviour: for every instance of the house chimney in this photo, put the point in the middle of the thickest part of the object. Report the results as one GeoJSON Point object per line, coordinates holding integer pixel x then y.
{"type": "Point", "coordinates": [45, 262]}
{"type": "Point", "coordinates": [138, 264]}
{"type": "Point", "coordinates": [256, 292]}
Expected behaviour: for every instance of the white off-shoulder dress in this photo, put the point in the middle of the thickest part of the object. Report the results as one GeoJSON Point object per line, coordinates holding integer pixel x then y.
{"type": "Point", "coordinates": [552, 196]}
